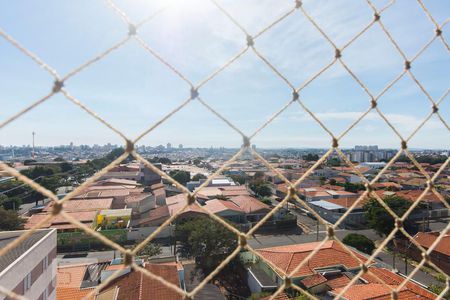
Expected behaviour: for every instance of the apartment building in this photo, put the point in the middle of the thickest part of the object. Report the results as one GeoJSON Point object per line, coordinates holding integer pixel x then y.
{"type": "Point", "coordinates": [29, 269]}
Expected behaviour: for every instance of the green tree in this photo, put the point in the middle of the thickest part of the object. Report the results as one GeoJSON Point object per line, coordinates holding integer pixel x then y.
{"type": "Point", "coordinates": [261, 189]}
{"type": "Point", "coordinates": [360, 242]}
{"type": "Point", "coordinates": [334, 162]}
{"type": "Point", "coordinates": [10, 220]}
{"type": "Point", "coordinates": [198, 176]}
{"type": "Point", "coordinates": [354, 187]}
{"type": "Point", "coordinates": [258, 176]}
{"type": "Point", "coordinates": [149, 250]}
{"type": "Point", "coordinates": [239, 179]}
{"type": "Point", "coordinates": [66, 167]}
{"type": "Point", "coordinates": [205, 240]}
{"type": "Point", "coordinates": [380, 220]}
{"type": "Point", "coordinates": [311, 157]}
{"type": "Point", "coordinates": [181, 176]}
{"type": "Point", "coordinates": [10, 202]}
{"type": "Point", "coordinates": [437, 289]}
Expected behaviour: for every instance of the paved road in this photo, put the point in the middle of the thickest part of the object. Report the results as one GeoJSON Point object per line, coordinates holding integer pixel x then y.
{"type": "Point", "coordinates": [24, 208]}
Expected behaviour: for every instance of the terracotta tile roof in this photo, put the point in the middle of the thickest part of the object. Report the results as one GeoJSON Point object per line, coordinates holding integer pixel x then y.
{"type": "Point", "coordinates": [59, 222]}
{"type": "Point", "coordinates": [216, 206]}
{"type": "Point", "coordinates": [313, 280]}
{"type": "Point", "coordinates": [346, 202]}
{"type": "Point", "coordinates": [70, 276]}
{"type": "Point", "coordinates": [381, 185]}
{"type": "Point", "coordinates": [68, 282]}
{"type": "Point", "coordinates": [135, 285]}
{"type": "Point", "coordinates": [333, 187]}
{"type": "Point", "coordinates": [72, 293]}
{"type": "Point", "coordinates": [365, 291]}
{"type": "Point", "coordinates": [136, 197]}
{"type": "Point", "coordinates": [250, 204]}
{"type": "Point", "coordinates": [160, 213]}
{"type": "Point", "coordinates": [228, 191]}
{"type": "Point", "coordinates": [177, 202]}
{"type": "Point", "coordinates": [287, 258]}
{"type": "Point", "coordinates": [74, 205]}
{"type": "Point", "coordinates": [410, 195]}
{"type": "Point", "coordinates": [390, 278]}
{"type": "Point", "coordinates": [338, 280]}
{"type": "Point", "coordinates": [426, 239]}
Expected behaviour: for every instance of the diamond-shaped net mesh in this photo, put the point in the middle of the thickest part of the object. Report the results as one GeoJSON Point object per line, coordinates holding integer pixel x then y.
{"type": "Point", "coordinates": [249, 45]}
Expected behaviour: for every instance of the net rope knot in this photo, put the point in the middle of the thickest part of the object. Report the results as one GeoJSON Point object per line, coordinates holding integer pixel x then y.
{"type": "Point", "coordinates": [194, 93]}
{"type": "Point", "coordinates": [250, 41]}
{"type": "Point", "coordinates": [129, 147]}
{"type": "Point", "coordinates": [132, 30]}
{"type": "Point", "coordinates": [57, 86]}
{"type": "Point", "coordinates": [57, 208]}
{"type": "Point", "coordinates": [407, 65]}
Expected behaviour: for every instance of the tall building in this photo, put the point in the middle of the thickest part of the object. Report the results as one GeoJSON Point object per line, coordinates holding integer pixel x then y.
{"type": "Point", "coordinates": [180, 146]}
{"type": "Point", "coordinates": [169, 146]}
{"type": "Point", "coordinates": [29, 269]}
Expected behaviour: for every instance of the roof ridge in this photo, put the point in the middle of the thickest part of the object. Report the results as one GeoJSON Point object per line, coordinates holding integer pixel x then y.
{"type": "Point", "coordinates": [289, 263]}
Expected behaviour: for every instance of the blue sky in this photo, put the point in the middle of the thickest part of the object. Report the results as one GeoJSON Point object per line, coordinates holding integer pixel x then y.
{"type": "Point", "coordinates": [132, 90]}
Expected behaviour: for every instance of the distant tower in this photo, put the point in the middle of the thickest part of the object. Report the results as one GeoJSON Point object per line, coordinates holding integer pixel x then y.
{"type": "Point", "coordinates": [33, 153]}
{"type": "Point", "coordinates": [169, 146]}
{"type": "Point", "coordinates": [180, 146]}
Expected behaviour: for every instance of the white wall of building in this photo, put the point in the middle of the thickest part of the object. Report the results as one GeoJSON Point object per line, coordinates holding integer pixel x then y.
{"type": "Point", "coordinates": [15, 273]}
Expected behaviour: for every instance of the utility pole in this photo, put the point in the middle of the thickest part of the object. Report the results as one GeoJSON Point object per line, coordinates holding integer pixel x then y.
{"type": "Point", "coordinates": [393, 258]}
{"type": "Point", "coordinates": [406, 265]}
{"type": "Point", "coordinates": [317, 231]}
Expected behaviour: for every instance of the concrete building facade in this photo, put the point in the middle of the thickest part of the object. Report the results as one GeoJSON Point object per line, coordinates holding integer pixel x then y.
{"type": "Point", "coordinates": [29, 269]}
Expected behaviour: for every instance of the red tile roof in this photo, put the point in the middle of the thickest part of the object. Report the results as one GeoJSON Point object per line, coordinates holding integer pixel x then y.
{"type": "Point", "coordinates": [159, 214]}
{"type": "Point", "coordinates": [216, 206]}
{"type": "Point", "coordinates": [347, 202]}
{"type": "Point", "coordinates": [250, 204]}
{"type": "Point", "coordinates": [177, 202]}
{"type": "Point", "coordinates": [365, 291]}
{"type": "Point", "coordinates": [287, 258]}
{"type": "Point", "coordinates": [338, 280]}
{"type": "Point", "coordinates": [313, 280]}
{"type": "Point", "coordinates": [59, 222]}
{"type": "Point", "coordinates": [68, 282]}
{"type": "Point", "coordinates": [390, 278]}
{"type": "Point", "coordinates": [135, 285]}
{"type": "Point", "coordinates": [74, 205]}
{"type": "Point", "coordinates": [426, 239]}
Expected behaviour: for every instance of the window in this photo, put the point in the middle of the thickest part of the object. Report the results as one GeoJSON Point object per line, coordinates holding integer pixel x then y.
{"type": "Point", "coordinates": [45, 263]}
{"type": "Point", "coordinates": [27, 282]}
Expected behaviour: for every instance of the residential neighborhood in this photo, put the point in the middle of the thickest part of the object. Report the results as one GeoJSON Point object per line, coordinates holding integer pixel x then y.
{"type": "Point", "coordinates": [130, 202]}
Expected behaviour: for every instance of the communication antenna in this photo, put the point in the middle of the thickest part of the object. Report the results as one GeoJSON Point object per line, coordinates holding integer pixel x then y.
{"type": "Point", "coordinates": [33, 153]}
